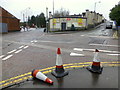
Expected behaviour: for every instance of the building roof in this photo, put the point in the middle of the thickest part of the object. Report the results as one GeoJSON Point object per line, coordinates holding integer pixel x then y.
{"type": "Point", "coordinates": [6, 14]}
{"type": "Point", "coordinates": [70, 17]}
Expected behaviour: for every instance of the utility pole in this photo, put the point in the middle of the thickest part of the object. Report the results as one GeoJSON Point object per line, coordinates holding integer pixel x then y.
{"type": "Point", "coordinates": [23, 17]}
{"type": "Point", "coordinates": [53, 15]}
{"type": "Point", "coordinates": [47, 19]}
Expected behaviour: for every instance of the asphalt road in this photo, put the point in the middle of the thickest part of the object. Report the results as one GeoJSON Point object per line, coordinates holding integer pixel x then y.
{"type": "Point", "coordinates": [27, 50]}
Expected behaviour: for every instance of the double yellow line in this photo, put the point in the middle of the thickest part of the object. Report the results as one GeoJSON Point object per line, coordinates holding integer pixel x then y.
{"type": "Point", "coordinates": [23, 77]}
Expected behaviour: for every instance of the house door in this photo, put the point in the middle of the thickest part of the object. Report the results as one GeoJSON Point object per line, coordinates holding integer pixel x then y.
{"type": "Point", "coordinates": [63, 26]}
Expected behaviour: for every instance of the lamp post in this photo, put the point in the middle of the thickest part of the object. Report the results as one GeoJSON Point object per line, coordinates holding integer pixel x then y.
{"type": "Point", "coordinates": [94, 19]}
{"type": "Point", "coordinates": [96, 5]}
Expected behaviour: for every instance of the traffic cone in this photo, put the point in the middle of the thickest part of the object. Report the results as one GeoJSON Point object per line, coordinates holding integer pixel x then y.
{"type": "Point", "coordinates": [96, 67]}
{"type": "Point", "coordinates": [59, 70]}
{"type": "Point", "coordinates": [39, 75]}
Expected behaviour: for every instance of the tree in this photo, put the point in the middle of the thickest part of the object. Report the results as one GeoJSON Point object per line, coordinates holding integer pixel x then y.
{"type": "Point", "coordinates": [61, 12]}
{"type": "Point", "coordinates": [42, 20]}
{"type": "Point", "coordinates": [38, 20]}
{"type": "Point", "coordinates": [33, 20]}
{"type": "Point", "coordinates": [115, 14]}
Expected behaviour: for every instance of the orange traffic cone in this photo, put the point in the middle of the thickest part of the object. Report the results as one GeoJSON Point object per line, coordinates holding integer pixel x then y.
{"type": "Point", "coordinates": [39, 75]}
{"type": "Point", "coordinates": [59, 70]}
{"type": "Point", "coordinates": [96, 67]}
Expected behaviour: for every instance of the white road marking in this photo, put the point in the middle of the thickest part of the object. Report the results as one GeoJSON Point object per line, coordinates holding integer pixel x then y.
{"type": "Point", "coordinates": [9, 56]}
{"type": "Point", "coordinates": [82, 35]}
{"type": "Point", "coordinates": [107, 51]}
{"type": "Point", "coordinates": [101, 36]}
{"type": "Point", "coordinates": [46, 41]}
{"type": "Point", "coordinates": [18, 51]}
{"type": "Point", "coordinates": [113, 54]}
{"type": "Point", "coordinates": [2, 56]}
{"type": "Point", "coordinates": [26, 47]}
{"type": "Point", "coordinates": [12, 51]}
{"type": "Point", "coordinates": [35, 41]}
{"type": "Point", "coordinates": [104, 45]}
{"type": "Point", "coordinates": [21, 46]}
{"type": "Point", "coordinates": [55, 42]}
{"type": "Point", "coordinates": [78, 49]}
{"type": "Point", "coordinates": [89, 50]}
{"type": "Point", "coordinates": [76, 54]}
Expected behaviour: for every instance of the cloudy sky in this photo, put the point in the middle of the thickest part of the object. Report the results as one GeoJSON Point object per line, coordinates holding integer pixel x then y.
{"type": "Point", "coordinates": [35, 7]}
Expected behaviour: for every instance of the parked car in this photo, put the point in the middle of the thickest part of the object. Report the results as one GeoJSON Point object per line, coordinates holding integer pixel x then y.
{"type": "Point", "coordinates": [109, 25]}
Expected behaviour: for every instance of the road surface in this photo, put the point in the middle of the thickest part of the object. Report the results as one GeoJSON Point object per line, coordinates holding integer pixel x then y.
{"type": "Point", "coordinates": [27, 50]}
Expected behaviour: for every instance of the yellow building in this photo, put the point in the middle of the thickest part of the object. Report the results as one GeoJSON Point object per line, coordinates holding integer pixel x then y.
{"type": "Point", "coordinates": [65, 23]}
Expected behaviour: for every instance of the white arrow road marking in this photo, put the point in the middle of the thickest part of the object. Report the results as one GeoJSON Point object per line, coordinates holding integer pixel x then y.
{"type": "Point", "coordinates": [113, 54]}
{"type": "Point", "coordinates": [18, 51]}
{"type": "Point", "coordinates": [76, 54]}
{"type": "Point", "coordinates": [26, 47]}
{"type": "Point", "coordinates": [12, 51]}
{"type": "Point", "coordinates": [2, 56]}
{"type": "Point", "coordinates": [21, 46]}
{"type": "Point", "coordinates": [9, 56]}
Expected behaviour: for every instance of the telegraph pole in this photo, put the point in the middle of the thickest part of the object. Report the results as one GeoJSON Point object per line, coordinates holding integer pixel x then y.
{"type": "Point", "coordinates": [53, 15]}
{"type": "Point", "coordinates": [23, 17]}
{"type": "Point", "coordinates": [47, 19]}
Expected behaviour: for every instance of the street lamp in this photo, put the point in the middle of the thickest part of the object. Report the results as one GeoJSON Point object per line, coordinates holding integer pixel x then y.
{"type": "Point", "coordinates": [95, 17]}
{"type": "Point", "coordinates": [95, 5]}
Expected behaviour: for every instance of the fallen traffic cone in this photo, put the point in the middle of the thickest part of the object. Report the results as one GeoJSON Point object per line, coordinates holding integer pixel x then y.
{"type": "Point", "coordinates": [59, 70]}
{"type": "Point", "coordinates": [39, 75]}
{"type": "Point", "coordinates": [96, 67]}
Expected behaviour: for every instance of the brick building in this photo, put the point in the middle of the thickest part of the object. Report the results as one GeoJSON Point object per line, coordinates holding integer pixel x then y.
{"type": "Point", "coordinates": [8, 22]}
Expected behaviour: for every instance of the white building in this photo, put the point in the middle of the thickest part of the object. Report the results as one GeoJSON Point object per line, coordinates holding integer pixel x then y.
{"type": "Point", "coordinates": [65, 23]}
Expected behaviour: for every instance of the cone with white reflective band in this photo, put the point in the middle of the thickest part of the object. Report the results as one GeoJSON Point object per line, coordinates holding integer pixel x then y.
{"type": "Point", "coordinates": [59, 70]}
{"type": "Point", "coordinates": [39, 75]}
{"type": "Point", "coordinates": [96, 66]}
